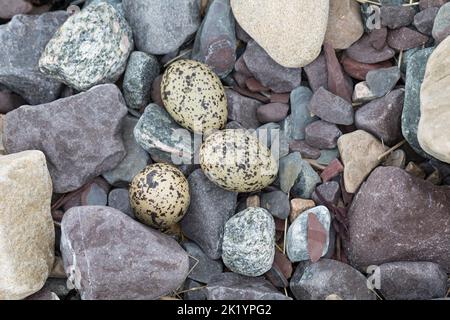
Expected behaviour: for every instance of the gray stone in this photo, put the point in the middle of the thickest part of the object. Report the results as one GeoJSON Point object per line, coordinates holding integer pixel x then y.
{"type": "Point", "coordinates": [331, 108]}
{"type": "Point", "coordinates": [119, 199]}
{"type": "Point", "coordinates": [277, 203]}
{"type": "Point", "coordinates": [161, 27]}
{"type": "Point", "coordinates": [394, 17]}
{"type": "Point", "coordinates": [215, 43]}
{"type": "Point", "coordinates": [396, 210]}
{"type": "Point", "coordinates": [232, 286]}
{"type": "Point", "coordinates": [202, 267]}
{"type": "Point", "coordinates": [322, 135]}
{"type": "Point", "coordinates": [441, 27]}
{"type": "Point", "coordinates": [297, 235]}
{"type": "Point", "coordinates": [382, 81]}
{"type": "Point", "coordinates": [424, 20]}
{"type": "Point", "coordinates": [300, 114]}
{"type": "Point", "coordinates": [249, 242]}
{"type": "Point", "coordinates": [135, 160]}
{"type": "Point", "coordinates": [94, 195]}
{"type": "Point", "coordinates": [242, 109]}
{"type": "Point", "coordinates": [91, 48]}
{"type": "Point", "coordinates": [316, 281]}
{"type": "Point", "coordinates": [269, 73]}
{"type": "Point", "coordinates": [23, 41]}
{"type": "Point", "coordinates": [158, 134]}
{"type": "Point", "coordinates": [412, 281]}
{"type": "Point", "coordinates": [79, 135]}
{"type": "Point", "coordinates": [210, 208]}
{"type": "Point", "coordinates": [142, 70]}
{"type": "Point", "coordinates": [108, 255]}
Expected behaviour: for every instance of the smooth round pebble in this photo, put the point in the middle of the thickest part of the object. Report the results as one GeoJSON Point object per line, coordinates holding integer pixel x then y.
{"type": "Point", "coordinates": [159, 195]}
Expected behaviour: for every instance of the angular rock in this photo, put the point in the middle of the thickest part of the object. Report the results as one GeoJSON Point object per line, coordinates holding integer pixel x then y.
{"type": "Point", "coordinates": [333, 169]}
{"type": "Point", "coordinates": [378, 37]}
{"type": "Point", "coordinates": [23, 41]}
{"type": "Point", "coordinates": [359, 153]}
{"type": "Point", "coordinates": [268, 72]}
{"type": "Point", "coordinates": [142, 70]}
{"type": "Point", "coordinates": [317, 73]}
{"type": "Point", "coordinates": [248, 246]}
{"type": "Point", "coordinates": [405, 38]}
{"type": "Point", "coordinates": [135, 160]}
{"type": "Point", "coordinates": [382, 81]}
{"type": "Point", "coordinates": [362, 93]}
{"type": "Point", "coordinates": [126, 260]}
{"type": "Point", "coordinates": [403, 213]}
{"type": "Point", "coordinates": [79, 135]}
{"type": "Point", "coordinates": [277, 203]}
{"type": "Point", "coordinates": [329, 191]}
{"type": "Point", "coordinates": [210, 208]}
{"type": "Point", "coordinates": [272, 112]}
{"type": "Point", "coordinates": [316, 281]}
{"type": "Point", "coordinates": [306, 151]}
{"type": "Point", "coordinates": [424, 20]}
{"type": "Point", "coordinates": [161, 27]}
{"type": "Point", "coordinates": [331, 108]}
{"type": "Point", "coordinates": [243, 109]}
{"type": "Point", "coordinates": [119, 199]}
{"type": "Point", "coordinates": [441, 27]}
{"type": "Point", "coordinates": [338, 82]}
{"type": "Point", "coordinates": [203, 268]}
{"type": "Point", "coordinates": [395, 17]}
{"type": "Point", "coordinates": [300, 115]}
{"type": "Point", "coordinates": [28, 236]}
{"type": "Point", "coordinates": [322, 135]}
{"type": "Point", "coordinates": [91, 48]}
{"type": "Point", "coordinates": [363, 51]}
{"type": "Point", "coordinates": [299, 206]}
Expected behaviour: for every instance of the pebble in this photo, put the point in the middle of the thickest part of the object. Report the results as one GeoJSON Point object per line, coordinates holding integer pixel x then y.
{"type": "Point", "coordinates": [98, 30]}
{"type": "Point", "coordinates": [19, 63]}
{"type": "Point", "coordinates": [249, 242]}
{"type": "Point", "coordinates": [395, 17]}
{"type": "Point", "coordinates": [94, 195]}
{"type": "Point", "coordinates": [441, 27]}
{"type": "Point", "coordinates": [382, 81]}
{"type": "Point", "coordinates": [363, 51]}
{"type": "Point", "coordinates": [194, 96]}
{"type": "Point", "coordinates": [203, 268]}
{"type": "Point", "coordinates": [142, 70]}
{"type": "Point", "coordinates": [362, 93]}
{"type": "Point", "coordinates": [277, 203]}
{"type": "Point", "coordinates": [317, 73]}
{"type": "Point", "coordinates": [135, 160]}
{"type": "Point", "coordinates": [272, 112]}
{"type": "Point", "coordinates": [306, 151]}
{"type": "Point", "coordinates": [79, 135]}
{"type": "Point", "coordinates": [406, 38]}
{"type": "Point", "coordinates": [210, 208]}
{"type": "Point", "coordinates": [232, 286]}
{"type": "Point", "coordinates": [243, 109]}
{"type": "Point", "coordinates": [125, 261]}
{"type": "Point", "coordinates": [311, 281]}
{"type": "Point", "coordinates": [296, 38]}
{"type": "Point", "coordinates": [300, 114]}
{"type": "Point", "coordinates": [424, 20]}
{"type": "Point", "coordinates": [28, 236]}
{"type": "Point", "coordinates": [358, 70]}
{"type": "Point", "coordinates": [268, 72]}
{"type": "Point", "coordinates": [393, 207]}
{"type": "Point", "coordinates": [297, 235]}
{"type": "Point", "coordinates": [382, 117]}
{"type": "Point", "coordinates": [339, 83]}
{"type": "Point", "coordinates": [329, 191]}
{"type": "Point", "coordinates": [159, 195]}
{"type": "Point", "coordinates": [433, 129]}
{"type": "Point", "coordinates": [322, 135]}
{"type": "Point", "coordinates": [119, 199]}
{"type": "Point", "coordinates": [412, 281]}
{"type": "Point", "coordinates": [162, 27]}
{"type": "Point", "coordinates": [223, 155]}
{"type": "Point", "coordinates": [215, 43]}
{"type": "Point", "coordinates": [334, 169]}
{"type": "Point", "coordinates": [359, 152]}
{"type": "Point", "coordinates": [331, 108]}
{"type": "Point", "coordinates": [298, 206]}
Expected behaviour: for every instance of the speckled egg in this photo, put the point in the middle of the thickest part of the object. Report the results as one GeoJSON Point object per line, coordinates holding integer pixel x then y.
{"type": "Point", "coordinates": [236, 161]}
{"type": "Point", "coordinates": [194, 96]}
{"type": "Point", "coordinates": [159, 195]}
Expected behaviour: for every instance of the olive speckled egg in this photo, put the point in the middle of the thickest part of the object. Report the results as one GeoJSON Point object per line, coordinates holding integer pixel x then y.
{"type": "Point", "coordinates": [159, 195]}
{"type": "Point", "coordinates": [194, 96]}
{"type": "Point", "coordinates": [236, 160]}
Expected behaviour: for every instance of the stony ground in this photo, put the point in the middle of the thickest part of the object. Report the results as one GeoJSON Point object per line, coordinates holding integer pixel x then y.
{"type": "Point", "coordinates": [224, 149]}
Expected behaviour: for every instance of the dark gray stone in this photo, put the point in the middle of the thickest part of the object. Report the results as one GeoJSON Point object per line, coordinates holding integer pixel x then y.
{"type": "Point", "coordinates": [330, 192]}
{"type": "Point", "coordinates": [382, 81]}
{"type": "Point", "coordinates": [277, 203]}
{"type": "Point", "coordinates": [192, 293]}
{"type": "Point", "coordinates": [424, 20]}
{"type": "Point", "coordinates": [242, 109]}
{"type": "Point", "coordinates": [94, 195]}
{"type": "Point", "coordinates": [395, 17]}
{"type": "Point", "coordinates": [119, 199]}
{"type": "Point", "coordinates": [202, 267]}
{"type": "Point", "coordinates": [108, 255]}
{"type": "Point", "coordinates": [80, 135]}
{"type": "Point", "coordinates": [322, 135]}
{"type": "Point", "coordinates": [210, 208]}
{"type": "Point", "coordinates": [23, 40]}
{"type": "Point", "coordinates": [331, 108]}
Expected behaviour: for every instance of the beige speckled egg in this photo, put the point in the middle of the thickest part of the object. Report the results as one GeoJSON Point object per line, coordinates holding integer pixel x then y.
{"type": "Point", "coordinates": [159, 195]}
{"type": "Point", "coordinates": [236, 160]}
{"type": "Point", "coordinates": [194, 96]}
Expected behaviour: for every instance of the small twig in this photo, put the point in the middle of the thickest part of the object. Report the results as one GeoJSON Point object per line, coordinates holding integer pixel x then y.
{"type": "Point", "coordinates": [398, 145]}
{"type": "Point", "coordinates": [315, 164]}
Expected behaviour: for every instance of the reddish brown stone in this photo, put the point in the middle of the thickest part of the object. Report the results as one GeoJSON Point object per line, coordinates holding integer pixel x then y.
{"type": "Point", "coordinates": [359, 70]}
{"type": "Point", "coordinates": [254, 85]}
{"type": "Point", "coordinates": [305, 149]}
{"type": "Point", "coordinates": [364, 52]}
{"type": "Point", "coordinates": [280, 98]}
{"type": "Point", "coordinates": [338, 82]}
{"type": "Point", "coordinates": [406, 38]}
{"type": "Point", "coordinates": [333, 170]}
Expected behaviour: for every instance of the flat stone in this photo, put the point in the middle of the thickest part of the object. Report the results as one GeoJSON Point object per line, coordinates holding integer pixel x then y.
{"type": "Point", "coordinates": [125, 261]}
{"type": "Point", "coordinates": [406, 214]}
{"type": "Point", "coordinates": [412, 281]}
{"type": "Point", "coordinates": [322, 135]}
{"type": "Point", "coordinates": [317, 73]}
{"type": "Point", "coordinates": [296, 37]}
{"type": "Point", "coordinates": [28, 236]}
{"type": "Point", "coordinates": [382, 81]}
{"type": "Point", "coordinates": [210, 208]}
{"type": "Point", "coordinates": [363, 51]}
{"type": "Point", "coordinates": [406, 38]}
{"type": "Point", "coordinates": [382, 117]}
{"type": "Point", "coordinates": [272, 112]}
{"type": "Point", "coordinates": [249, 242]}
{"type": "Point", "coordinates": [424, 20]}
{"type": "Point", "coordinates": [243, 109]}
{"type": "Point", "coordinates": [215, 43]}
{"type": "Point", "coordinates": [358, 70]}
{"type": "Point", "coordinates": [306, 151]}
{"type": "Point", "coordinates": [161, 27]}
{"type": "Point", "coordinates": [433, 129]}
{"type": "Point", "coordinates": [330, 192]}
{"type": "Point", "coordinates": [142, 70]}
{"type": "Point", "coordinates": [311, 281]}
{"type": "Point", "coordinates": [79, 135]}
{"type": "Point", "coordinates": [395, 17]}
{"type": "Point", "coordinates": [297, 235]}
{"type": "Point", "coordinates": [441, 27]}
{"type": "Point", "coordinates": [300, 114]}
{"type": "Point", "coordinates": [232, 286]}
{"type": "Point", "coordinates": [359, 153]}
{"type": "Point", "coordinates": [331, 108]}
{"type": "Point", "coordinates": [268, 72]}
{"type": "Point", "coordinates": [135, 160]}
{"type": "Point", "coordinates": [203, 268]}
{"type": "Point", "coordinates": [119, 199]}
{"type": "Point", "coordinates": [91, 48]}
{"type": "Point", "coordinates": [277, 203]}
{"type": "Point", "coordinates": [19, 70]}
